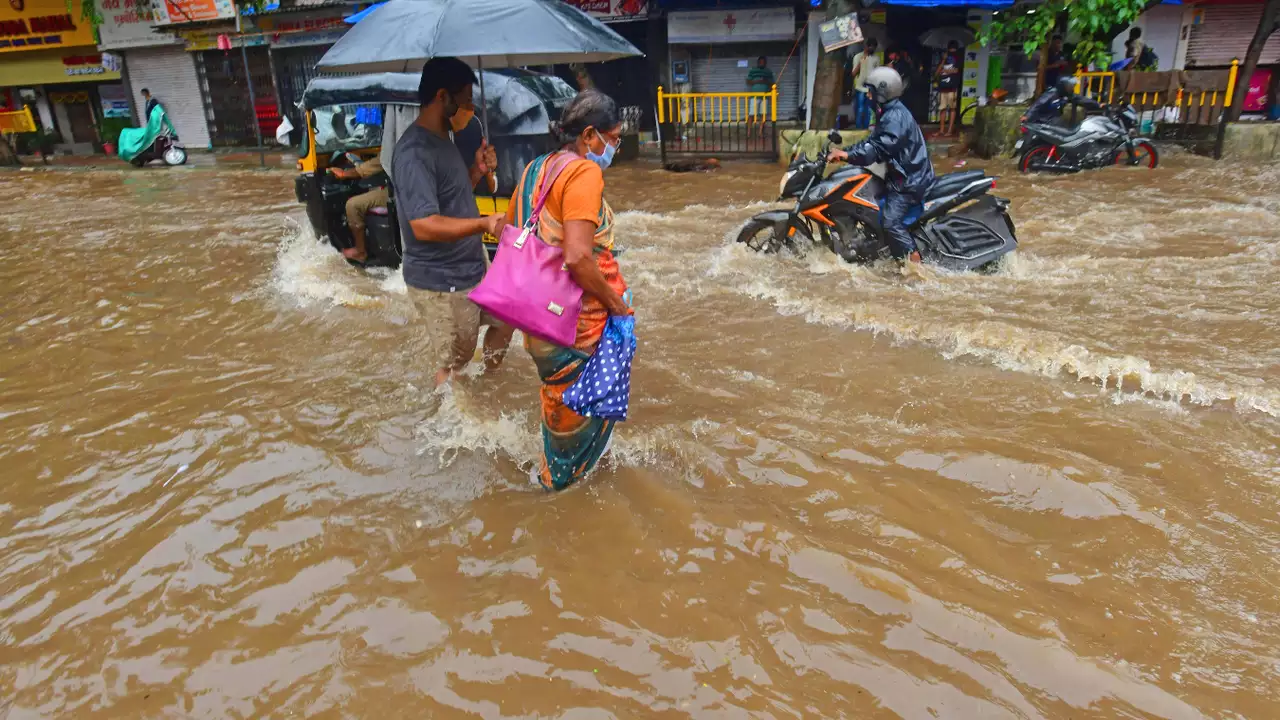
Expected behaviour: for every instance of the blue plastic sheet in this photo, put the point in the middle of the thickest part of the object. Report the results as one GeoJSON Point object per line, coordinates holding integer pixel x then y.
{"type": "Point", "coordinates": [603, 387]}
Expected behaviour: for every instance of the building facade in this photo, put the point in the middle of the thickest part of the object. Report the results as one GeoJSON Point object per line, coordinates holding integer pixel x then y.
{"type": "Point", "coordinates": [49, 60]}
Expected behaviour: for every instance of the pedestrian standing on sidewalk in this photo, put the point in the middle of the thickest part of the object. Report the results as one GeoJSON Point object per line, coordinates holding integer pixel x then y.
{"type": "Point", "coordinates": [863, 63]}
{"type": "Point", "coordinates": [947, 81]}
{"type": "Point", "coordinates": [444, 257]}
{"type": "Point", "coordinates": [759, 80]}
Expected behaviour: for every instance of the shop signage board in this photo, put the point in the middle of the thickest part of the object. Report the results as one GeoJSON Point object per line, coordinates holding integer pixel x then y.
{"type": "Point", "coordinates": [81, 64]}
{"type": "Point", "coordinates": [613, 10]}
{"type": "Point", "coordinates": [206, 40]}
{"type": "Point", "coordinates": [127, 24]}
{"type": "Point", "coordinates": [731, 26]}
{"type": "Point", "coordinates": [300, 30]}
{"type": "Point", "coordinates": [42, 24]}
{"type": "Point", "coordinates": [840, 32]}
{"type": "Point", "coordinates": [170, 12]}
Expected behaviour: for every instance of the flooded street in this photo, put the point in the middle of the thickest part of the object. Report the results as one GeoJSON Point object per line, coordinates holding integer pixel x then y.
{"type": "Point", "coordinates": [1044, 492]}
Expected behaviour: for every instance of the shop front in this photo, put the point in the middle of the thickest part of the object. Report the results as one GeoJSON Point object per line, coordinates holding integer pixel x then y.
{"type": "Point", "coordinates": [296, 42]}
{"type": "Point", "coordinates": [713, 50]}
{"type": "Point", "coordinates": [157, 62]}
{"type": "Point", "coordinates": [632, 82]}
{"type": "Point", "coordinates": [230, 107]}
{"type": "Point", "coordinates": [49, 59]}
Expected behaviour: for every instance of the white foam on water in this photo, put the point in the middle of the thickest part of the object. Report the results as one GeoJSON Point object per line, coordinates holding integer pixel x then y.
{"type": "Point", "coordinates": [310, 272]}
{"type": "Point", "coordinates": [1003, 345]}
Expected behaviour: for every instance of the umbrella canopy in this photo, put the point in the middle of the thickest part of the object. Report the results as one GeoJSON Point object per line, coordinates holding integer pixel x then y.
{"type": "Point", "coordinates": [401, 35]}
{"type": "Point", "coordinates": [940, 37]}
{"type": "Point", "coordinates": [518, 102]}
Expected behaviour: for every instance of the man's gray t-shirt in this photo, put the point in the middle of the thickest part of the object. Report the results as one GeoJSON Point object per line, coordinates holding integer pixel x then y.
{"type": "Point", "coordinates": [431, 179]}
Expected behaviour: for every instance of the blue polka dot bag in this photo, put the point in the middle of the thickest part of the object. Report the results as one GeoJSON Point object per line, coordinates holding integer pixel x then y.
{"type": "Point", "coordinates": [603, 388]}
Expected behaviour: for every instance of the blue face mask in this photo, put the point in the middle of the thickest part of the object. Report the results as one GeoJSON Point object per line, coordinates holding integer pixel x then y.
{"type": "Point", "coordinates": [603, 160]}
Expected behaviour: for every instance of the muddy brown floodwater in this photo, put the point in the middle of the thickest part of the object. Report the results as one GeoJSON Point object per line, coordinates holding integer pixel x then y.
{"type": "Point", "coordinates": [1044, 492]}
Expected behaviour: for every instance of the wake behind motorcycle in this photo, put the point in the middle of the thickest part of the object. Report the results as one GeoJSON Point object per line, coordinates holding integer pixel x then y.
{"type": "Point", "coordinates": [961, 226]}
{"type": "Point", "coordinates": [1098, 141]}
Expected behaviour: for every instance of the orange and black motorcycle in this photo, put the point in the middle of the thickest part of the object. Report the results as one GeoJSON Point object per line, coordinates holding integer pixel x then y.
{"type": "Point", "coordinates": [960, 225]}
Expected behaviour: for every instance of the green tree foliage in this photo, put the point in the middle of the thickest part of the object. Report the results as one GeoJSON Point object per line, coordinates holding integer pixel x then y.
{"type": "Point", "coordinates": [1092, 23]}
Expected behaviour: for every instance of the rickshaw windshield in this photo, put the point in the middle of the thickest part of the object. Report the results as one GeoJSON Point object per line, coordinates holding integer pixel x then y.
{"type": "Point", "coordinates": [340, 128]}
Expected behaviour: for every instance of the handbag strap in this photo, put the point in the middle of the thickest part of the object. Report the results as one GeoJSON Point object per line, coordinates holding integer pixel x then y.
{"type": "Point", "coordinates": [549, 179]}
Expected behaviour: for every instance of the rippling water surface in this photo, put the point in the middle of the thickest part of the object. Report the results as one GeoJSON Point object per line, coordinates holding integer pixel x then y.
{"type": "Point", "coordinates": [1045, 492]}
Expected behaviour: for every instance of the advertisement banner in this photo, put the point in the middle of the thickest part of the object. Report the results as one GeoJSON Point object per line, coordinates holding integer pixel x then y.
{"type": "Point", "coordinates": [127, 24]}
{"type": "Point", "coordinates": [170, 12]}
{"type": "Point", "coordinates": [841, 32]}
{"type": "Point", "coordinates": [613, 10]}
{"type": "Point", "coordinates": [731, 26]}
{"type": "Point", "coordinates": [42, 24]}
{"type": "Point", "coordinates": [115, 103]}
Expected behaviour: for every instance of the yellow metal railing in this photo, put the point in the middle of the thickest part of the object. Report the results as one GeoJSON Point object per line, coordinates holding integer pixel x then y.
{"type": "Point", "coordinates": [1096, 85]}
{"type": "Point", "coordinates": [727, 107]}
{"type": "Point", "coordinates": [17, 121]}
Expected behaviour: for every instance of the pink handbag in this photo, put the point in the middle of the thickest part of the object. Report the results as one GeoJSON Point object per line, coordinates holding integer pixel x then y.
{"type": "Point", "coordinates": [528, 285]}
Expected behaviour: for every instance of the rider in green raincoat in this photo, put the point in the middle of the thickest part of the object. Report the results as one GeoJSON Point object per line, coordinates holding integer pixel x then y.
{"type": "Point", "coordinates": [135, 140]}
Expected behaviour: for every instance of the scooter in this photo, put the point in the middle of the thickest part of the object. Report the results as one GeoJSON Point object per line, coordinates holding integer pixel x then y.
{"type": "Point", "coordinates": [165, 147]}
{"type": "Point", "coordinates": [157, 140]}
{"type": "Point", "coordinates": [1098, 141]}
{"type": "Point", "coordinates": [960, 227]}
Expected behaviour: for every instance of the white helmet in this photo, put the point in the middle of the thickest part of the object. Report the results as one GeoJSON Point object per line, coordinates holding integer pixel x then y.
{"type": "Point", "coordinates": [885, 84]}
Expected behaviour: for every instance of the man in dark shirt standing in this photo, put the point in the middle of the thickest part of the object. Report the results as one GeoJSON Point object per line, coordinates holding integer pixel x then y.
{"type": "Point", "coordinates": [444, 257]}
{"type": "Point", "coordinates": [150, 103]}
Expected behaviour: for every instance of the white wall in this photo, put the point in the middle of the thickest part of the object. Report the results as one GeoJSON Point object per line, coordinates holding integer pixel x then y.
{"type": "Point", "coordinates": [1161, 26]}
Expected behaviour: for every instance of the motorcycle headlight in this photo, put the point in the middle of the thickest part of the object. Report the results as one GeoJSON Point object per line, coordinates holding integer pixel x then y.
{"type": "Point", "coordinates": [782, 186]}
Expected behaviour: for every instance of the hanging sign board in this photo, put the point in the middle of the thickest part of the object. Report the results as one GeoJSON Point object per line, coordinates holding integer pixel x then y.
{"type": "Point", "coordinates": [731, 26]}
{"type": "Point", "coordinates": [170, 12]}
{"type": "Point", "coordinates": [841, 32]}
{"type": "Point", "coordinates": [613, 10]}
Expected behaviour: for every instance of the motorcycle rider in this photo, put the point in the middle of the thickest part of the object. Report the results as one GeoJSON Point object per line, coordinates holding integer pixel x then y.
{"type": "Point", "coordinates": [1048, 107]}
{"type": "Point", "coordinates": [897, 142]}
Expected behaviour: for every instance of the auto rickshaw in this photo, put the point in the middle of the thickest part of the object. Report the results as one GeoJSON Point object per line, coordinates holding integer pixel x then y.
{"type": "Point", "coordinates": [346, 117]}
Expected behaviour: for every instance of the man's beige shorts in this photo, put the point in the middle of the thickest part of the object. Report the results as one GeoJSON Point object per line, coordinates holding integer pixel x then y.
{"type": "Point", "coordinates": [452, 315]}
{"type": "Point", "coordinates": [947, 100]}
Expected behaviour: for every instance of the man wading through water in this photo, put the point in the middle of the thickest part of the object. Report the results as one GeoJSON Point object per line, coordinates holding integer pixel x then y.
{"type": "Point", "coordinates": [444, 257]}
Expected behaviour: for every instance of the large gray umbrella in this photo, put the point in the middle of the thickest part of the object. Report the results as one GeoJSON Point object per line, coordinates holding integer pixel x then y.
{"type": "Point", "coordinates": [402, 35]}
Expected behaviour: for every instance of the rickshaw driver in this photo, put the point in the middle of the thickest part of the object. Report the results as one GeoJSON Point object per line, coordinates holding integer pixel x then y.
{"type": "Point", "coordinates": [360, 205]}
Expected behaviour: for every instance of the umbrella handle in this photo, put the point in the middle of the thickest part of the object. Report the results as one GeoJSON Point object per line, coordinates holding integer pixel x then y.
{"type": "Point", "coordinates": [484, 121]}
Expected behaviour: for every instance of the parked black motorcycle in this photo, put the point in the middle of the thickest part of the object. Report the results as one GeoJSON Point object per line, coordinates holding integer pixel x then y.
{"type": "Point", "coordinates": [961, 227]}
{"type": "Point", "coordinates": [1098, 141]}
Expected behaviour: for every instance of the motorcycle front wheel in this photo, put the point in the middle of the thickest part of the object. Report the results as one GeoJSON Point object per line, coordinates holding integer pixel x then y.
{"type": "Point", "coordinates": [1144, 155]}
{"type": "Point", "coordinates": [761, 236]}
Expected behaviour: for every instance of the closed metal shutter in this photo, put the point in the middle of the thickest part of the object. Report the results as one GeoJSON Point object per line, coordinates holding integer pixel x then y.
{"type": "Point", "coordinates": [226, 96]}
{"type": "Point", "coordinates": [170, 74]}
{"type": "Point", "coordinates": [1224, 34]}
{"type": "Point", "coordinates": [715, 69]}
{"type": "Point", "coordinates": [295, 67]}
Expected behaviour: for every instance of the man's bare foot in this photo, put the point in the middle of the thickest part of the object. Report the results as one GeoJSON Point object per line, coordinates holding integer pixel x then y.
{"type": "Point", "coordinates": [912, 267]}
{"type": "Point", "coordinates": [355, 254]}
{"type": "Point", "coordinates": [443, 375]}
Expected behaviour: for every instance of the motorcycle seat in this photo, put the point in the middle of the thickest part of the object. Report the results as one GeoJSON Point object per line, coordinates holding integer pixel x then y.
{"type": "Point", "coordinates": [952, 183]}
{"type": "Point", "coordinates": [1053, 132]}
